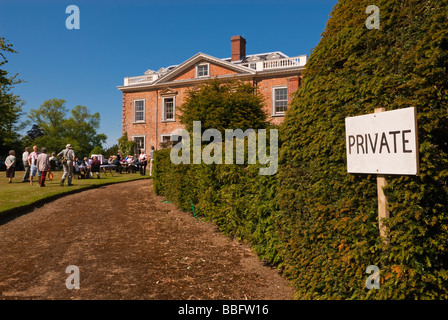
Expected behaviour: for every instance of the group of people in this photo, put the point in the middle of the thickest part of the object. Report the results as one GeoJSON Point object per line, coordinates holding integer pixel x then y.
{"type": "Point", "coordinates": [135, 162]}
{"type": "Point", "coordinates": [87, 167]}
{"type": "Point", "coordinates": [37, 164]}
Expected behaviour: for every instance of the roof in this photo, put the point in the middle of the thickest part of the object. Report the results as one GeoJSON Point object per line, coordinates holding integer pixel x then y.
{"type": "Point", "coordinates": [259, 56]}
{"type": "Point", "coordinates": [274, 62]}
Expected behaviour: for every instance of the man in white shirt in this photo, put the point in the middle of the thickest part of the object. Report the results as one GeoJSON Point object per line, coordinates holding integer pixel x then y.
{"type": "Point", "coordinates": [32, 160]}
{"type": "Point", "coordinates": [143, 162]}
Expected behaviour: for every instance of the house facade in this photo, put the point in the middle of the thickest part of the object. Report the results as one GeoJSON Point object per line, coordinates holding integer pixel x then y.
{"type": "Point", "coordinates": [151, 101]}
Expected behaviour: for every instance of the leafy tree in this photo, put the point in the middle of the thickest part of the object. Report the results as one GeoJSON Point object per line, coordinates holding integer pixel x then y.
{"type": "Point", "coordinates": [50, 117]}
{"type": "Point", "coordinates": [34, 132]}
{"type": "Point", "coordinates": [328, 219]}
{"type": "Point", "coordinates": [80, 129]}
{"type": "Point", "coordinates": [97, 150]}
{"type": "Point", "coordinates": [125, 145]}
{"type": "Point", "coordinates": [113, 150]}
{"type": "Point", "coordinates": [10, 104]}
{"type": "Point", "coordinates": [224, 105]}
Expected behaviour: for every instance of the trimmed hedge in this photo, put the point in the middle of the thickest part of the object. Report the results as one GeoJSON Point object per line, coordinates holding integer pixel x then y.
{"type": "Point", "coordinates": [329, 228]}
{"type": "Point", "coordinates": [236, 197]}
{"type": "Point", "coordinates": [317, 223]}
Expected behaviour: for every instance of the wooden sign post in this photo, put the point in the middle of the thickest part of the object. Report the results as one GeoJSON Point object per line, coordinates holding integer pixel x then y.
{"type": "Point", "coordinates": [383, 211]}
{"type": "Point", "coordinates": [383, 143]}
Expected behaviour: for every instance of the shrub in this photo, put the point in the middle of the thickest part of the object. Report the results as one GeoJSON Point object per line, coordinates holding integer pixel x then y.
{"type": "Point", "coordinates": [328, 226]}
{"type": "Point", "coordinates": [315, 221]}
{"type": "Point", "coordinates": [224, 105]}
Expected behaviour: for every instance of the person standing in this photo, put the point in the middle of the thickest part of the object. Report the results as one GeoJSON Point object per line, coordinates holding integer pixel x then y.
{"type": "Point", "coordinates": [43, 165]}
{"type": "Point", "coordinates": [67, 164]}
{"type": "Point", "coordinates": [26, 164]}
{"type": "Point", "coordinates": [10, 163]}
{"type": "Point", "coordinates": [53, 161]}
{"type": "Point", "coordinates": [32, 159]}
{"type": "Point", "coordinates": [95, 167]}
{"type": "Point", "coordinates": [143, 162]}
{"type": "Point", "coordinates": [151, 156]}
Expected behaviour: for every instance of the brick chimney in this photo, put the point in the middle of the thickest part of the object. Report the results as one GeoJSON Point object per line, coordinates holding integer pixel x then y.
{"type": "Point", "coordinates": [238, 48]}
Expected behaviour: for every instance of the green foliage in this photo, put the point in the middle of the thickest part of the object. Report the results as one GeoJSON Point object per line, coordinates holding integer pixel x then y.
{"type": "Point", "coordinates": [125, 145]}
{"type": "Point", "coordinates": [328, 221]}
{"type": "Point", "coordinates": [241, 205]}
{"type": "Point", "coordinates": [10, 104]}
{"type": "Point", "coordinates": [34, 132]}
{"type": "Point", "coordinates": [97, 150]}
{"type": "Point", "coordinates": [224, 105]}
{"type": "Point", "coordinates": [111, 151]}
{"type": "Point", "coordinates": [80, 129]}
{"type": "Point", "coordinates": [236, 197]}
{"type": "Point", "coordinates": [315, 221]}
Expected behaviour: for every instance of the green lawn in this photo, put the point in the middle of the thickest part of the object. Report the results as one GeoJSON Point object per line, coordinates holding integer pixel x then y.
{"type": "Point", "coordinates": [20, 194]}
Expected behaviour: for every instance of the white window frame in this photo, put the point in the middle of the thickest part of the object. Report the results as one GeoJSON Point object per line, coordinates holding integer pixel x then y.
{"type": "Point", "coordinates": [164, 135]}
{"type": "Point", "coordinates": [144, 110]}
{"type": "Point", "coordinates": [144, 142]}
{"type": "Point", "coordinates": [168, 135]}
{"type": "Point", "coordinates": [201, 65]}
{"type": "Point", "coordinates": [164, 119]}
{"type": "Point", "coordinates": [274, 111]}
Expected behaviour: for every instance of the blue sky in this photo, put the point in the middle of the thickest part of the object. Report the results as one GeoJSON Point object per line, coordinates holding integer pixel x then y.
{"type": "Point", "coordinates": [118, 39]}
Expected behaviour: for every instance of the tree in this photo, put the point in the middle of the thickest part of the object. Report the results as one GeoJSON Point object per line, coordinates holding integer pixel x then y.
{"type": "Point", "coordinates": [10, 104]}
{"type": "Point", "coordinates": [80, 129]}
{"type": "Point", "coordinates": [224, 105]}
{"type": "Point", "coordinates": [34, 132]}
{"type": "Point", "coordinates": [50, 117]}
{"type": "Point", "coordinates": [111, 151]}
{"type": "Point", "coordinates": [329, 230]}
{"type": "Point", "coordinates": [125, 145]}
{"type": "Point", "coordinates": [97, 150]}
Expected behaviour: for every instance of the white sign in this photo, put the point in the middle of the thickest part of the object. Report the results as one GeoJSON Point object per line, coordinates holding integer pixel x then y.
{"type": "Point", "coordinates": [383, 143]}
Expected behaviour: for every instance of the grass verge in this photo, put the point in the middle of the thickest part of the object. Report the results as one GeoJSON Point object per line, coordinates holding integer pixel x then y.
{"type": "Point", "coordinates": [19, 195]}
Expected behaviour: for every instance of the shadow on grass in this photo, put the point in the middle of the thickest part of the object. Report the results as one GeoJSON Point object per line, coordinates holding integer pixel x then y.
{"type": "Point", "coordinates": [13, 213]}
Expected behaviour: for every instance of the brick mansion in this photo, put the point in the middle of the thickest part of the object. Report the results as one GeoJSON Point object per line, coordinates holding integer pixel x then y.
{"type": "Point", "coordinates": [151, 101]}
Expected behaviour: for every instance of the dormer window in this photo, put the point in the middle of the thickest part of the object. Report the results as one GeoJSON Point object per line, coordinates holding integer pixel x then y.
{"type": "Point", "coordinates": [202, 70]}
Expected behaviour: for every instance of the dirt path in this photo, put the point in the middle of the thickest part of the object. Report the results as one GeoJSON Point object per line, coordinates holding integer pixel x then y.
{"type": "Point", "coordinates": [127, 244]}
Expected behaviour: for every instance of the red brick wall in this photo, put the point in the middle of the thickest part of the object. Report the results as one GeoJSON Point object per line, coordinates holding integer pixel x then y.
{"type": "Point", "coordinates": [146, 128]}
{"type": "Point", "coordinates": [154, 101]}
{"type": "Point", "coordinates": [265, 87]}
{"type": "Point", "coordinates": [214, 71]}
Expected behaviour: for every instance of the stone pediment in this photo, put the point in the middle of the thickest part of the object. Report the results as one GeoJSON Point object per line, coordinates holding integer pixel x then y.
{"type": "Point", "coordinates": [168, 92]}
{"type": "Point", "coordinates": [217, 68]}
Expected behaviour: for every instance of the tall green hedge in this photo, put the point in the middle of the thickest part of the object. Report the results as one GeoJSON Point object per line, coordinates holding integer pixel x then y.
{"type": "Point", "coordinates": [315, 221]}
{"type": "Point", "coordinates": [329, 229]}
{"type": "Point", "coordinates": [236, 197]}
